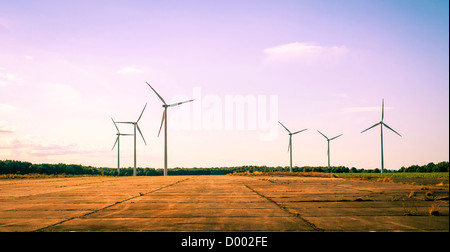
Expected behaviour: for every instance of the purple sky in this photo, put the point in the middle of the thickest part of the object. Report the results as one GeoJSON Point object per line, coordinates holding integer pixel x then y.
{"type": "Point", "coordinates": [66, 67]}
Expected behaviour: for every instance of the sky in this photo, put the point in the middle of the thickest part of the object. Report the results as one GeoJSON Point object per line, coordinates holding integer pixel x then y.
{"type": "Point", "coordinates": [68, 67]}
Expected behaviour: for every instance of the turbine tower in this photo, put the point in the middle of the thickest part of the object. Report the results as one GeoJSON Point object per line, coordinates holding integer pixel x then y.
{"type": "Point", "coordinates": [290, 142]}
{"type": "Point", "coordinates": [136, 126]}
{"type": "Point", "coordinates": [164, 120]}
{"type": "Point", "coordinates": [118, 145]}
{"type": "Point", "coordinates": [381, 123]}
{"type": "Point", "coordinates": [328, 151]}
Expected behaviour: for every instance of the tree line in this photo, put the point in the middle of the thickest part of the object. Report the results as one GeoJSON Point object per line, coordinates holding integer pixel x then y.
{"type": "Point", "coordinates": [23, 168]}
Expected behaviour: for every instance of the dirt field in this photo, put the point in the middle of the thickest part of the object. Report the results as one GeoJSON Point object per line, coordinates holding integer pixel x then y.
{"type": "Point", "coordinates": [219, 203]}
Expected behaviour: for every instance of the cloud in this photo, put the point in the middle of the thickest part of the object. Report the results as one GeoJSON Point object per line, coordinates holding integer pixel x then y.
{"type": "Point", "coordinates": [7, 78]}
{"type": "Point", "coordinates": [34, 145]}
{"type": "Point", "coordinates": [129, 70]}
{"type": "Point", "coordinates": [305, 52]}
{"type": "Point", "coordinates": [5, 128]}
{"type": "Point", "coordinates": [6, 108]}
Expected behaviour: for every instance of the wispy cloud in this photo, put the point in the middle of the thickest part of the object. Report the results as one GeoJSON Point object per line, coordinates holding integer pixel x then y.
{"type": "Point", "coordinates": [306, 52]}
{"type": "Point", "coordinates": [6, 108]}
{"type": "Point", "coordinates": [6, 128]}
{"type": "Point", "coordinates": [40, 146]}
{"type": "Point", "coordinates": [129, 70]}
{"type": "Point", "coordinates": [7, 78]}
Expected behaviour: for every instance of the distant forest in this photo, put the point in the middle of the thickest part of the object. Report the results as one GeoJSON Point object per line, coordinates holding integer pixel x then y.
{"type": "Point", "coordinates": [22, 168]}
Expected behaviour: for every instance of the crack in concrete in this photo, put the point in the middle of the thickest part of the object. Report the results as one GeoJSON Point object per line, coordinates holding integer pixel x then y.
{"type": "Point", "coordinates": [284, 208]}
{"type": "Point", "coordinates": [103, 208]}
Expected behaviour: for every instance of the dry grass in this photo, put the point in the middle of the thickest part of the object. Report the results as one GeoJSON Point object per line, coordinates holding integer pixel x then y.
{"type": "Point", "coordinates": [285, 174]}
{"type": "Point", "coordinates": [385, 179]}
{"type": "Point", "coordinates": [410, 211]}
{"type": "Point", "coordinates": [434, 210]}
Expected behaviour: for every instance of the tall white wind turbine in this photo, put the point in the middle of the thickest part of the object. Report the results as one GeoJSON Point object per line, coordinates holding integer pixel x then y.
{"type": "Point", "coordinates": [136, 126]}
{"type": "Point", "coordinates": [381, 123]}
{"type": "Point", "coordinates": [118, 145]}
{"type": "Point", "coordinates": [164, 120]}
{"type": "Point", "coordinates": [328, 140]}
{"type": "Point", "coordinates": [290, 142]}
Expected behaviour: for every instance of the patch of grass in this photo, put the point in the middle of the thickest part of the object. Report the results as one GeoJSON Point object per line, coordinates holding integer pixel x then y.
{"type": "Point", "coordinates": [363, 199]}
{"type": "Point", "coordinates": [396, 197]}
{"type": "Point", "coordinates": [357, 199]}
{"type": "Point", "coordinates": [429, 196]}
{"type": "Point", "coordinates": [294, 213]}
{"type": "Point", "coordinates": [284, 174]}
{"type": "Point", "coordinates": [442, 198]}
{"type": "Point", "coordinates": [389, 176]}
{"type": "Point", "coordinates": [442, 184]}
{"type": "Point", "coordinates": [434, 210]}
{"type": "Point", "coordinates": [268, 180]}
{"type": "Point", "coordinates": [385, 179]}
{"type": "Point", "coordinates": [410, 211]}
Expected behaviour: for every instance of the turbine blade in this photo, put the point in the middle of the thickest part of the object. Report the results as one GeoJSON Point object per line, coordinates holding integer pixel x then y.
{"type": "Point", "coordinates": [336, 137]}
{"type": "Point", "coordinates": [157, 93]}
{"type": "Point", "coordinates": [162, 121]}
{"type": "Point", "coordinates": [298, 131]}
{"type": "Point", "coordinates": [370, 127]}
{"type": "Point", "coordinates": [141, 113]}
{"type": "Point", "coordinates": [284, 127]}
{"type": "Point", "coordinates": [179, 103]}
{"type": "Point", "coordinates": [391, 129]}
{"type": "Point", "coordinates": [115, 125]}
{"type": "Point", "coordinates": [117, 139]}
{"type": "Point", "coordinates": [141, 134]}
{"type": "Point", "coordinates": [126, 122]}
{"type": "Point", "coordinates": [322, 134]}
{"type": "Point", "coordinates": [382, 110]}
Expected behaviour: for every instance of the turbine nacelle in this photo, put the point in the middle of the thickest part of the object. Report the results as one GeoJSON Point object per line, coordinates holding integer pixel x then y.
{"type": "Point", "coordinates": [135, 124]}
{"type": "Point", "coordinates": [329, 139]}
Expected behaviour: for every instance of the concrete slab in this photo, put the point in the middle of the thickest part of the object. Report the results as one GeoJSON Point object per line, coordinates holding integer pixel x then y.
{"type": "Point", "coordinates": [218, 203]}
{"type": "Point", "coordinates": [382, 223]}
{"type": "Point", "coordinates": [191, 224]}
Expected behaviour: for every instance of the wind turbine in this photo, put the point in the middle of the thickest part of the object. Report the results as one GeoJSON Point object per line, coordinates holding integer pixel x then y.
{"type": "Point", "coordinates": [136, 126]}
{"type": "Point", "coordinates": [381, 123]}
{"type": "Point", "coordinates": [290, 142]}
{"type": "Point", "coordinates": [164, 120]}
{"type": "Point", "coordinates": [118, 145]}
{"type": "Point", "coordinates": [328, 140]}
